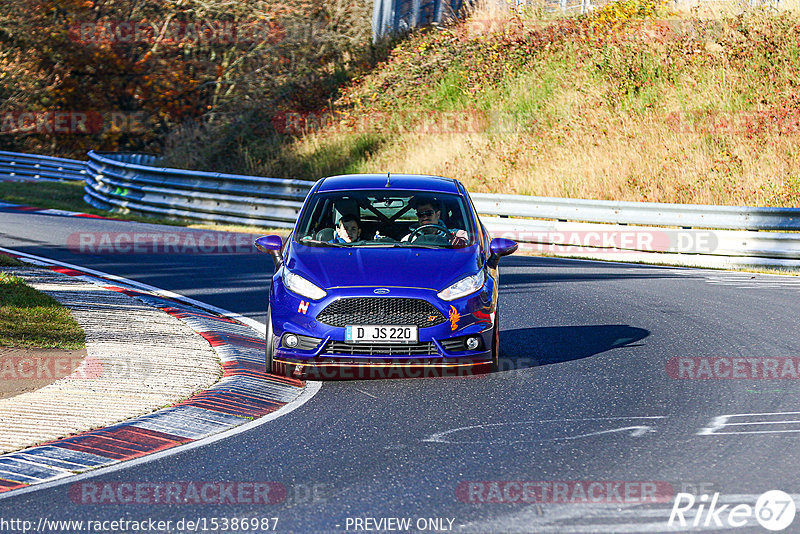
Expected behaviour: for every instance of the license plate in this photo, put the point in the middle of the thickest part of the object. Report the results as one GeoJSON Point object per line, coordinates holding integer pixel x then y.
{"type": "Point", "coordinates": [380, 333]}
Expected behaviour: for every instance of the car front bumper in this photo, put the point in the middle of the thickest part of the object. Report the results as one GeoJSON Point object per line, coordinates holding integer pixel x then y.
{"type": "Point", "coordinates": [439, 351]}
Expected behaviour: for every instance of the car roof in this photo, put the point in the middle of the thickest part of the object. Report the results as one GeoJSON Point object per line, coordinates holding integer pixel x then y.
{"type": "Point", "coordinates": [413, 182]}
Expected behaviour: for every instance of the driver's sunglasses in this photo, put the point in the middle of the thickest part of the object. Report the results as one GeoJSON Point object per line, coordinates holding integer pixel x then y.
{"type": "Point", "coordinates": [426, 213]}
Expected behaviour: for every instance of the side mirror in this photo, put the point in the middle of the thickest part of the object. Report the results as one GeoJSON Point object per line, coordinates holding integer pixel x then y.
{"type": "Point", "coordinates": [271, 244]}
{"type": "Point", "coordinates": [500, 247]}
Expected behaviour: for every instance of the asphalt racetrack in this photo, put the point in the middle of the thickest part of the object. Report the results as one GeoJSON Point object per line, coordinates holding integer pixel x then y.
{"type": "Point", "coordinates": [623, 386]}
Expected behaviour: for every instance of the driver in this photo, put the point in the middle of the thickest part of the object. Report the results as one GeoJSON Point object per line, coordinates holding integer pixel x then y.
{"type": "Point", "coordinates": [429, 211]}
{"type": "Point", "coordinates": [348, 230]}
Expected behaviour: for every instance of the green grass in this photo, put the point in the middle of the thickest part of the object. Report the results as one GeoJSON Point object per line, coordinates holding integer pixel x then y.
{"type": "Point", "coordinates": [53, 195]}
{"type": "Point", "coordinates": [346, 157]}
{"type": "Point", "coordinates": [448, 94]}
{"type": "Point", "coordinates": [65, 196]}
{"type": "Point", "coordinates": [8, 261]}
{"type": "Point", "coordinates": [31, 319]}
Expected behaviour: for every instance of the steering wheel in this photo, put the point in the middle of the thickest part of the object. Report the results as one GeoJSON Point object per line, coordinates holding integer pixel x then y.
{"type": "Point", "coordinates": [441, 231]}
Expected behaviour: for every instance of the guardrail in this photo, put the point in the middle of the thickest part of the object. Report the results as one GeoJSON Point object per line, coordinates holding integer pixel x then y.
{"type": "Point", "coordinates": [17, 166]}
{"type": "Point", "coordinates": [133, 182]}
{"type": "Point", "coordinates": [676, 234]}
{"type": "Point", "coordinates": [706, 236]}
{"type": "Point", "coordinates": [648, 213]}
{"type": "Point", "coordinates": [397, 16]}
{"type": "Point", "coordinates": [649, 244]}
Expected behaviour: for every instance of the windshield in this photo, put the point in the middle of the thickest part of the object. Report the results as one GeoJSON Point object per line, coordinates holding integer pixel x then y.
{"type": "Point", "coordinates": [386, 219]}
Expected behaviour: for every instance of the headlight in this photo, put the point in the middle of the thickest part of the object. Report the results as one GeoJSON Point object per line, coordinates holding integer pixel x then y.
{"type": "Point", "coordinates": [464, 287]}
{"type": "Point", "coordinates": [297, 284]}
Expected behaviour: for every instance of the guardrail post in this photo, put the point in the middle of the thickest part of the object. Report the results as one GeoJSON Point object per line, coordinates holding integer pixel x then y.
{"type": "Point", "coordinates": [382, 17]}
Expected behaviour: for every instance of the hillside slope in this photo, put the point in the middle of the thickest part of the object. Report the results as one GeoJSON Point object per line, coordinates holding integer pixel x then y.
{"type": "Point", "coordinates": [630, 102]}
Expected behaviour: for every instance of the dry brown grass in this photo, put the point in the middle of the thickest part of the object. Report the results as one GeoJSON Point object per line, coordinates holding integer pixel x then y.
{"type": "Point", "coordinates": [694, 139]}
{"type": "Point", "coordinates": [611, 158]}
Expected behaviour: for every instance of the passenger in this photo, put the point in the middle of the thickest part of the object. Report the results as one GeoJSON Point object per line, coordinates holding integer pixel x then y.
{"type": "Point", "coordinates": [347, 230]}
{"type": "Point", "coordinates": [429, 211]}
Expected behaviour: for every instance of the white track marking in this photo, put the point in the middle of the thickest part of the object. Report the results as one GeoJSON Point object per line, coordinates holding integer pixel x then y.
{"type": "Point", "coordinates": [635, 431]}
{"type": "Point", "coordinates": [365, 393]}
{"type": "Point", "coordinates": [724, 421]}
{"type": "Point", "coordinates": [255, 325]}
{"type": "Point", "coordinates": [440, 437]}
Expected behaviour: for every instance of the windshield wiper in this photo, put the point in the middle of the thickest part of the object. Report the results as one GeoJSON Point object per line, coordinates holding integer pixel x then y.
{"type": "Point", "coordinates": [318, 243]}
{"type": "Point", "coordinates": [406, 244]}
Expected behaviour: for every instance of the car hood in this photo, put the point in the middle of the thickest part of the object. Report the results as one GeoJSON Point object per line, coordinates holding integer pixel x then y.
{"type": "Point", "coordinates": [394, 267]}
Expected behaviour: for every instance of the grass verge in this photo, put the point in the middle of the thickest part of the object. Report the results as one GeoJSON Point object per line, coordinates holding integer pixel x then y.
{"type": "Point", "coordinates": [66, 196]}
{"type": "Point", "coordinates": [8, 261]}
{"type": "Point", "coordinates": [31, 319]}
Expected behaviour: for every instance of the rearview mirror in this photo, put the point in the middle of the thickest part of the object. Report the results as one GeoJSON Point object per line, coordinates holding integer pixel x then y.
{"type": "Point", "coordinates": [271, 244]}
{"type": "Point", "coordinates": [500, 247]}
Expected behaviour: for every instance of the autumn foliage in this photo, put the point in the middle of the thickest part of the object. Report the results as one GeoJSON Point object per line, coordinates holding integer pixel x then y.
{"type": "Point", "coordinates": [126, 73]}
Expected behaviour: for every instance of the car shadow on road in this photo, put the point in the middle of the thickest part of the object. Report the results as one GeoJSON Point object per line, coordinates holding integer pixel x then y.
{"type": "Point", "coordinates": [532, 347]}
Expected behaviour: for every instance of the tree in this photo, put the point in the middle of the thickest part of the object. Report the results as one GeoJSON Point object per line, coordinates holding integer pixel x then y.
{"type": "Point", "coordinates": [135, 70]}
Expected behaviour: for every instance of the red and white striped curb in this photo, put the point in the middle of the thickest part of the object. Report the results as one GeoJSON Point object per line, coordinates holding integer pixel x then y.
{"type": "Point", "coordinates": [245, 393]}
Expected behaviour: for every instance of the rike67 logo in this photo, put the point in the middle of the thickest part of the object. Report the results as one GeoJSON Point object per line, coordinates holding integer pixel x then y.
{"type": "Point", "coordinates": [774, 510]}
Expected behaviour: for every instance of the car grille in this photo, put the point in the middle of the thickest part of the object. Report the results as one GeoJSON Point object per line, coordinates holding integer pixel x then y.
{"type": "Point", "coordinates": [383, 349]}
{"type": "Point", "coordinates": [381, 311]}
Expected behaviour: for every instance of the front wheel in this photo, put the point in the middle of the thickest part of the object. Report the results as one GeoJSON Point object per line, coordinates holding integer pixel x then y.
{"type": "Point", "coordinates": [270, 343]}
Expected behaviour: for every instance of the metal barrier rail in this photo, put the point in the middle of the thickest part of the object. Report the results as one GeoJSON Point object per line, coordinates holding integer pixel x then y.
{"type": "Point", "coordinates": [646, 213]}
{"type": "Point", "coordinates": [677, 234]}
{"type": "Point", "coordinates": [17, 166]}
{"type": "Point", "coordinates": [129, 181]}
{"type": "Point", "coordinates": [672, 246]}
{"type": "Point", "coordinates": [707, 236]}
{"type": "Point", "coordinates": [132, 182]}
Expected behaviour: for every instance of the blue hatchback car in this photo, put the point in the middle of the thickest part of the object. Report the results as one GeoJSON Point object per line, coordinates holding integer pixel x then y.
{"type": "Point", "coordinates": [384, 275]}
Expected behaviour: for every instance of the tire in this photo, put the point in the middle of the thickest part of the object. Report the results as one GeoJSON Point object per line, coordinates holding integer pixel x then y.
{"type": "Point", "coordinates": [496, 343]}
{"type": "Point", "coordinates": [270, 344]}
